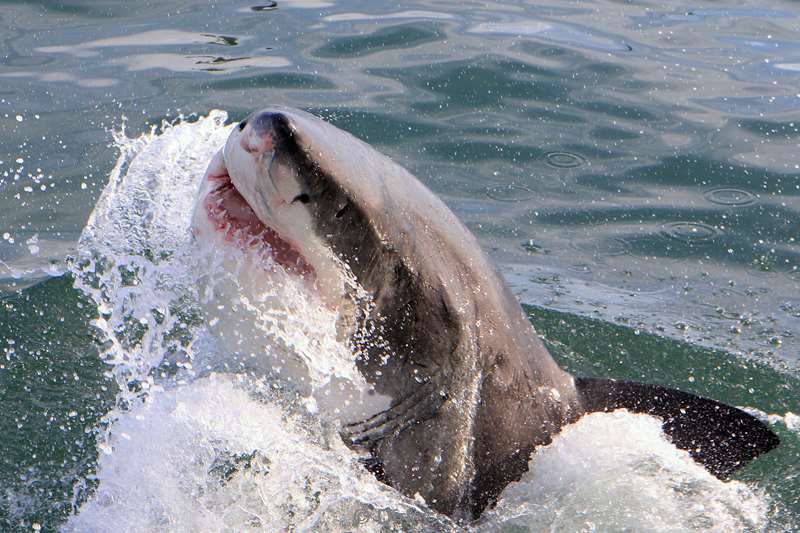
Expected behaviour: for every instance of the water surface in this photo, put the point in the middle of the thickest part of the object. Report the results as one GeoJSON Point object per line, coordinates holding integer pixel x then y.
{"type": "Point", "coordinates": [631, 167]}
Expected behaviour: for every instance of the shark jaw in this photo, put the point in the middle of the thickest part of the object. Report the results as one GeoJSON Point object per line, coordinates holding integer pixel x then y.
{"type": "Point", "coordinates": [230, 217]}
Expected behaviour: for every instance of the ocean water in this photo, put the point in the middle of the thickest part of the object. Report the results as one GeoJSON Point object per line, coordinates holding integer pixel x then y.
{"type": "Point", "coordinates": [632, 167]}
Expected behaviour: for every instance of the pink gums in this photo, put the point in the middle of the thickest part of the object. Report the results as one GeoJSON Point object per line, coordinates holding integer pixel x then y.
{"type": "Point", "coordinates": [231, 215]}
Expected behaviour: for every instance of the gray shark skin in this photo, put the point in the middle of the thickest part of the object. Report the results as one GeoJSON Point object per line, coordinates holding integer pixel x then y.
{"type": "Point", "coordinates": [473, 389]}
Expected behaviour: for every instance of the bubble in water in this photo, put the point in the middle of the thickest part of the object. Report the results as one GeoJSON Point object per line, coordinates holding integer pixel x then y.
{"type": "Point", "coordinates": [564, 160]}
{"type": "Point", "coordinates": [509, 193]}
{"type": "Point", "coordinates": [690, 232]}
{"type": "Point", "coordinates": [729, 196]}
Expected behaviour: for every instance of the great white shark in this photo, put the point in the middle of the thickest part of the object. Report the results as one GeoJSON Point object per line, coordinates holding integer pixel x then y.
{"type": "Point", "coordinates": [464, 390]}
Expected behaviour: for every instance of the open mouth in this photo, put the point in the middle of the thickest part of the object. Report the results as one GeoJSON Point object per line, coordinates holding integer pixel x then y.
{"type": "Point", "coordinates": [231, 215]}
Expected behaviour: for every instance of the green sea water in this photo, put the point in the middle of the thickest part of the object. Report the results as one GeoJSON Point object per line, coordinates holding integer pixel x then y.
{"type": "Point", "coordinates": [632, 168]}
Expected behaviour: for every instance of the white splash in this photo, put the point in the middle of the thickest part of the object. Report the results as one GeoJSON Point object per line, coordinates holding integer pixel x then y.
{"type": "Point", "coordinates": [211, 456]}
{"type": "Point", "coordinates": [135, 253]}
{"type": "Point", "coordinates": [617, 472]}
{"type": "Point", "coordinates": [790, 419]}
{"type": "Point", "coordinates": [225, 377]}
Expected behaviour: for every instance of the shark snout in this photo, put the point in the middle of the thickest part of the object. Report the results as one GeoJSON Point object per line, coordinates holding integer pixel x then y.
{"type": "Point", "coordinates": [258, 134]}
{"type": "Point", "coordinates": [256, 143]}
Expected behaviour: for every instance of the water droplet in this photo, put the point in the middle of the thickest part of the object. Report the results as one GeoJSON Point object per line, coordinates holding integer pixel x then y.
{"type": "Point", "coordinates": [532, 248]}
{"type": "Point", "coordinates": [728, 196]}
{"type": "Point", "coordinates": [690, 232]}
{"type": "Point", "coordinates": [509, 193]}
{"type": "Point", "coordinates": [33, 244]}
{"type": "Point", "coordinates": [564, 160]}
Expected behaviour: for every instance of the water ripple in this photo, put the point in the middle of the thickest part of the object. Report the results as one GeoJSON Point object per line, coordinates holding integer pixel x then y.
{"type": "Point", "coordinates": [728, 196]}
{"type": "Point", "coordinates": [509, 193]}
{"type": "Point", "coordinates": [690, 232]}
{"type": "Point", "coordinates": [564, 160]}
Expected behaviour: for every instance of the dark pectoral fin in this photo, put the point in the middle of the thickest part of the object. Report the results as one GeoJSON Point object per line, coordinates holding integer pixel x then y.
{"type": "Point", "coordinates": [720, 437]}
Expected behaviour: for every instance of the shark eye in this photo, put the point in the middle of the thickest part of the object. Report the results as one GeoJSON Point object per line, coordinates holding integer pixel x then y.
{"type": "Point", "coordinates": [242, 124]}
{"type": "Point", "coordinates": [302, 198]}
